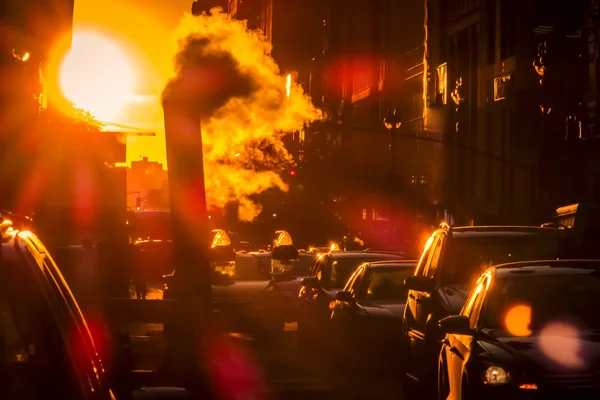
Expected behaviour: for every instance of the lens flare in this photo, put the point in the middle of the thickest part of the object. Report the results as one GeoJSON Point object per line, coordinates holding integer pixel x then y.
{"type": "Point", "coordinates": [245, 105]}
{"type": "Point", "coordinates": [561, 343]}
{"type": "Point", "coordinates": [518, 320]}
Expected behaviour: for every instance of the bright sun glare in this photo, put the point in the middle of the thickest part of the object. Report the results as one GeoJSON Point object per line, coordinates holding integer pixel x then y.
{"type": "Point", "coordinates": [96, 75]}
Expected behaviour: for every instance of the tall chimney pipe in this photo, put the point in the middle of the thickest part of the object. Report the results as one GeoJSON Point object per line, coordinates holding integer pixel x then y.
{"type": "Point", "coordinates": [189, 218]}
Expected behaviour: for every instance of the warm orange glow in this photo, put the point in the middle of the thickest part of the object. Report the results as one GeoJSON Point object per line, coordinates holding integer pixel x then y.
{"type": "Point", "coordinates": [96, 75]}
{"type": "Point", "coordinates": [518, 320]}
{"type": "Point", "coordinates": [231, 134]}
{"type": "Point", "coordinates": [528, 386]}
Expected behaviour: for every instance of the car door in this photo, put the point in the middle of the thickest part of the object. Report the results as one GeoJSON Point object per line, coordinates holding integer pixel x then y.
{"type": "Point", "coordinates": [414, 319]}
{"type": "Point", "coordinates": [457, 349]}
{"type": "Point", "coordinates": [344, 314]}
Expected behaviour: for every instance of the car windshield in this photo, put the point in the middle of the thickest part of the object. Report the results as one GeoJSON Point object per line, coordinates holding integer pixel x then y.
{"type": "Point", "coordinates": [341, 269]}
{"type": "Point", "coordinates": [468, 257]}
{"type": "Point", "coordinates": [528, 304]}
{"type": "Point", "coordinates": [385, 284]}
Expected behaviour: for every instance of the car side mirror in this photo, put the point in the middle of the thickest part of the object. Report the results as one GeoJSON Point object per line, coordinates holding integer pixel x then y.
{"type": "Point", "coordinates": [344, 296]}
{"type": "Point", "coordinates": [419, 283]}
{"type": "Point", "coordinates": [311, 282]}
{"type": "Point", "coordinates": [456, 325]}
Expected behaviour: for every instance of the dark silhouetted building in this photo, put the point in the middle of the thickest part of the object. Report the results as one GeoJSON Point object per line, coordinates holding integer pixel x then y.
{"type": "Point", "coordinates": [258, 13]}
{"type": "Point", "coordinates": [508, 79]}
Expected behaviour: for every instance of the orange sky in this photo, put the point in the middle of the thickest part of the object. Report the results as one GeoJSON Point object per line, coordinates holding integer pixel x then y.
{"type": "Point", "coordinates": [142, 28]}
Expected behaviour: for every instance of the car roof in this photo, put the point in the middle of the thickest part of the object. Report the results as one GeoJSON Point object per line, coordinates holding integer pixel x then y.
{"type": "Point", "coordinates": [497, 231]}
{"type": "Point", "coordinates": [545, 267]}
{"type": "Point", "coordinates": [392, 264]}
{"type": "Point", "coordinates": [365, 255]}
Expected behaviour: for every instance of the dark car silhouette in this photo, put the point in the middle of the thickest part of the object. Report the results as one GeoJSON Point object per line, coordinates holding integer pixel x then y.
{"type": "Point", "coordinates": [527, 330]}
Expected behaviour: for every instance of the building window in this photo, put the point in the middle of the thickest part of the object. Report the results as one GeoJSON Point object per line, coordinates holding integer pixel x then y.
{"type": "Point", "coordinates": [442, 84]}
{"type": "Point", "coordinates": [501, 86]}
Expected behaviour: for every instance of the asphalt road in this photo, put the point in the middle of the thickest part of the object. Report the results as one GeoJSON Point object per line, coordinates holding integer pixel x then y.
{"type": "Point", "coordinates": [290, 373]}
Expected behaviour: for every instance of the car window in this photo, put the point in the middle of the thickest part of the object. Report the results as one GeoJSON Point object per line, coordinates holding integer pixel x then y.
{"type": "Point", "coordinates": [532, 302]}
{"type": "Point", "coordinates": [435, 258]}
{"type": "Point", "coordinates": [384, 284]}
{"type": "Point", "coordinates": [355, 280]}
{"type": "Point", "coordinates": [420, 270]}
{"type": "Point", "coordinates": [340, 270]}
{"type": "Point", "coordinates": [316, 270]}
{"type": "Point", "coordinates": [475, 308]}
{"type": "Point", "coordinates": [468, 257]}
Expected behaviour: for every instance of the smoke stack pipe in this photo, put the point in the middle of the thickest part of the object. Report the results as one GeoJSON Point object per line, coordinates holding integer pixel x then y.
{"type": "Point", "coordinates": [189, 218]}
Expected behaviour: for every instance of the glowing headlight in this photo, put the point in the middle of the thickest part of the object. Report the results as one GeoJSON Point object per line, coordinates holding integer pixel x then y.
{"type": "Point", "coordinates": [496, 376]}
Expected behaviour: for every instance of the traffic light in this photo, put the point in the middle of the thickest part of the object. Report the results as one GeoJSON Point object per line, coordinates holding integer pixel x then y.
{"type": "Point", "coordinates": [292, 172]}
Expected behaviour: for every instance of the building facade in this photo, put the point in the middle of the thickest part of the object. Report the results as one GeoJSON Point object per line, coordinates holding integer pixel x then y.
{"type": "Point", "coordinates": [512, 78]}
{"type": "Point", "coordinates": [28, 32]}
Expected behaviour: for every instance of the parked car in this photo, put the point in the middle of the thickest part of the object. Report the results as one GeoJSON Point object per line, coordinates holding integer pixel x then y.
{"type": "Point", "coordinates": [47, 349]}
{"type": "Point", "coordinates": [528, 330]}
{"type": "Point", "coordinates": [245, 295]}
{"type": "Point", "coordinates": [367, 315]}
{"type": "Point", "coordinates": [453, 259]}
{"type": "Point", "coordinates": [289, 283]}
{"type": "Point", "coordinates": [329, 275]}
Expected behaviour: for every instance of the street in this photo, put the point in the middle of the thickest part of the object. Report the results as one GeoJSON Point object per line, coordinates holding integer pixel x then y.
{"type": "Point", "coordinates": [290, 373]}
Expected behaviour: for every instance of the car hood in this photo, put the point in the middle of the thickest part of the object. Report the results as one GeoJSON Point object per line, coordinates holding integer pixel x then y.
{"type": "Point", "coordinates": [550, 354]}
{"type": "Point", "coordinates": [240, 289]}
{"type": "Point", "coordinates": [452, 297]}
{"type": "Point", "coordinates": [385, 309]}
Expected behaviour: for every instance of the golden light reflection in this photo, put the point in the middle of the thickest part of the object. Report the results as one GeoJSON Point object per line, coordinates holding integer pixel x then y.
{"type": "Point", "coordinates": [96, 75]}
{"type": "Point", "coordinates": [288, 85]}
{"type": "Point", "coordinates": [518, 320]}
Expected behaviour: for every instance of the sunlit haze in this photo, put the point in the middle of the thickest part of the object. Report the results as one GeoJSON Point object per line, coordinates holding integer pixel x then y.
{"type": "Point", "coordinates": [142, 31]}
{"type": "Point", "coordinates": [122, 56]}
{"type": "Point", "coordinates": [96, 75]}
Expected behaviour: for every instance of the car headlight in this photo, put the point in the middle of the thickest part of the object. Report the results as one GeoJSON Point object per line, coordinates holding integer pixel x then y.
{"type": "Point", "coordinates": [495, 375]}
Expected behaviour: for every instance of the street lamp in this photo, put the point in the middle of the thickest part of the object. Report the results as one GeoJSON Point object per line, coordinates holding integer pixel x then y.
{"type": "Point", "coordinates": [392, 120]}
{"type": "Point", "coordinates": [392, 123]}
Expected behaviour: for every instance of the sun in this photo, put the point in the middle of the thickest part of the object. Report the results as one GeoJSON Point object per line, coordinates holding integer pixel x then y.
{"type": "Point", "coordinates": [96, 75]}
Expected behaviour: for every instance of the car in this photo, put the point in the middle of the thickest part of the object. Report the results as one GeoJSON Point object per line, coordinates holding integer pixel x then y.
{"type": "Point", "coordinates": [328, 275]}
{"type": "Point", "coordinates": [367, 314]}
{"type": "Point", "coordinates": [453, 259]}
{"type": "Point", "coordinates": [244, 294]}
{"type": "Point", "coordinates": [289, 282]}
{"type": "Point", "coordinates": [528, 330]}
{"type": "Point", "coordinates": [46, 346]}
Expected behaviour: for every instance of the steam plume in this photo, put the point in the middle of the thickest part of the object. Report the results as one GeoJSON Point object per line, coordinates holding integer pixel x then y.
{"type": "Point", "coordinates": [228, 73]}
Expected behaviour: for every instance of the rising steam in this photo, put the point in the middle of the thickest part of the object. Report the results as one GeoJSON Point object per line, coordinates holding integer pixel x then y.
{"type": "Point", "coordinates": [245, 108]}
